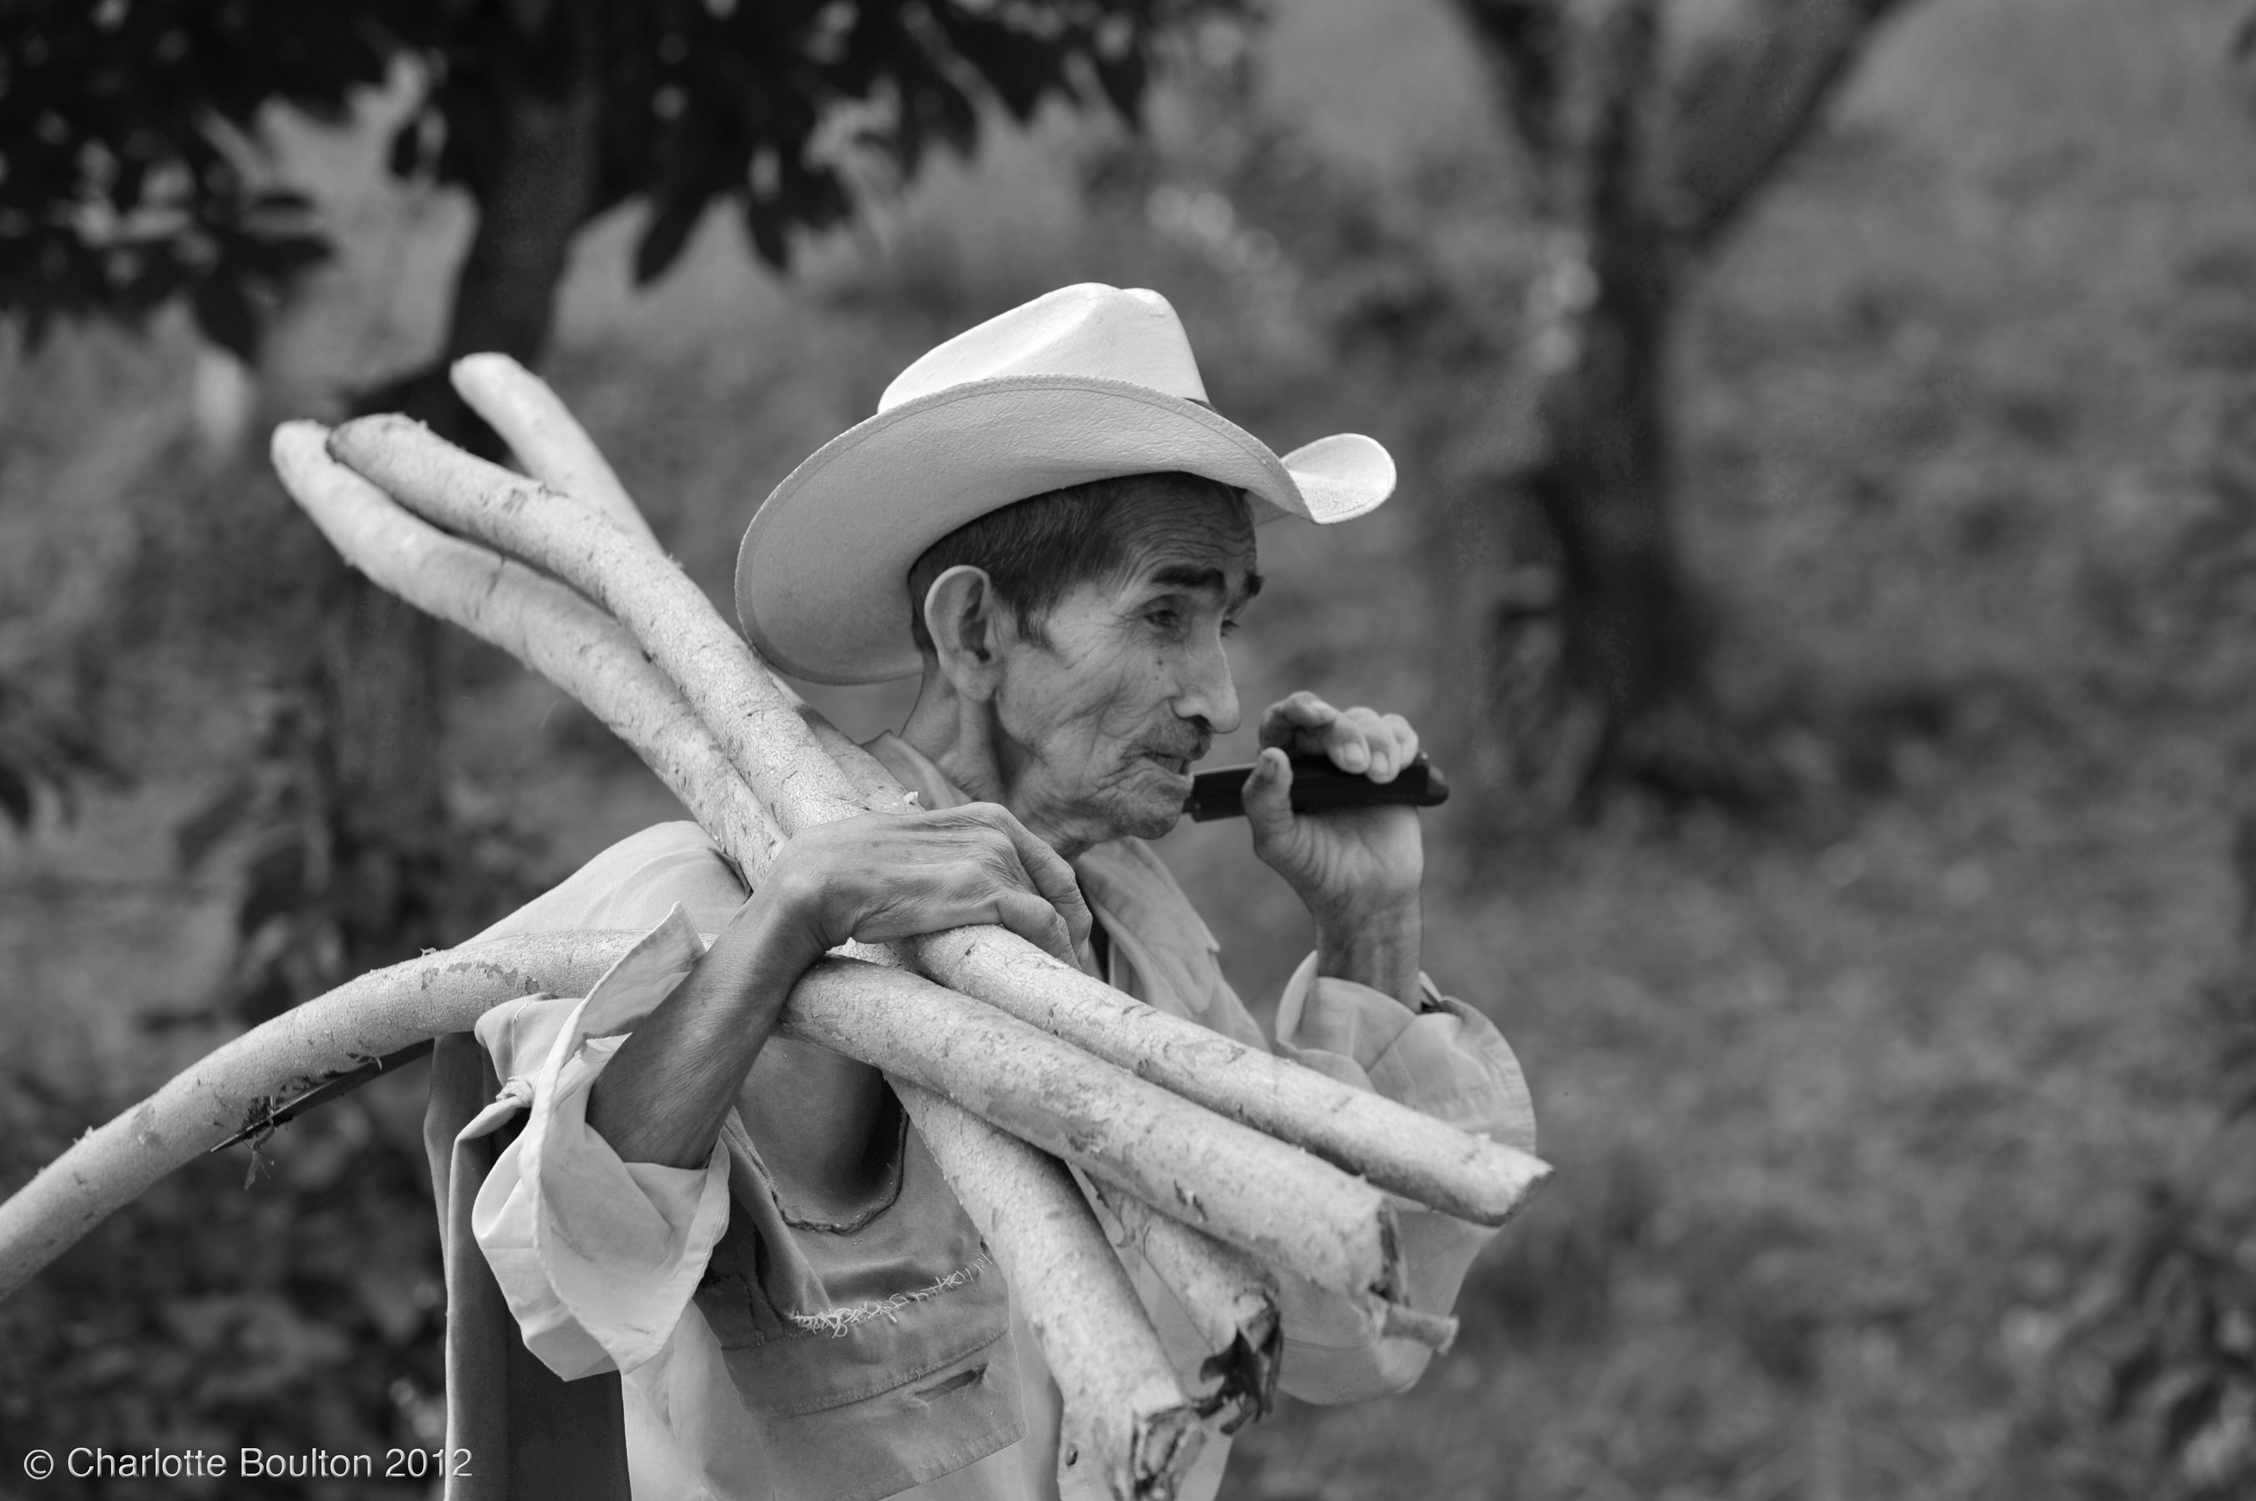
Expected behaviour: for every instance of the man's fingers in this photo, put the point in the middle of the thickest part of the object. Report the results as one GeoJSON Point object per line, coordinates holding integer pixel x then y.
{"type": "Point", "coordinates": [1297, 720]}
{"type": "Point", "coordinates": [1405, 740]}
{"type": "Point", "coordinates": [1361, 741]}
{"type": "Point", "coordinates": [1388, 742]}
{"type": "Point", "coordinates": [1036, 921]}
{"type": "Point", "coordinates": [1348, 743]}
{"type": "Point", "coordinates": [1053, 879]}
{"type": "Point", "coordinates": [1040, 869]}
{"type": "Point", "coordinates": [1366, 742]}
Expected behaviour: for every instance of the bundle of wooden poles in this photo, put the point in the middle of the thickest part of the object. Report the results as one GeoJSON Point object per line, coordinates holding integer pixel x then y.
{"type": "Point", "coordinates": [1213, 1160]}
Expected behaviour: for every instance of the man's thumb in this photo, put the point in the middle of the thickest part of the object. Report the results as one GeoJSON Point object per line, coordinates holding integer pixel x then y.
{"type": "Point", "coordinates": [1268, 793]}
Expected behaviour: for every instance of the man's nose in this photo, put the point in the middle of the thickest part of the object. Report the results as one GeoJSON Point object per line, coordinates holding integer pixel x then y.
{"type": "Point", "coordinates": [1208, 693]}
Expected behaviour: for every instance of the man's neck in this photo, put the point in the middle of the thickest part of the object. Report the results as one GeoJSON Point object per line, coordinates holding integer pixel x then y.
{"type": "Point", "coordinates": [962, 739]}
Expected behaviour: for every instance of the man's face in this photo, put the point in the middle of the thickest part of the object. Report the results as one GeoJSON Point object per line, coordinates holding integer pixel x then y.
{"type": "Point", "coordinates": [1102, 716]}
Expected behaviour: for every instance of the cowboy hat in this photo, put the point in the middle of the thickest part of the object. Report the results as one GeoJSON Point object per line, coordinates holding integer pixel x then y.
{"type": "Point", "coordinates": [1088, 382]}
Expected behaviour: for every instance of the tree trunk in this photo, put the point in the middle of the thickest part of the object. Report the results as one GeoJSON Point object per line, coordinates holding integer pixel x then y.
{"type": "Point", "coordinates": [1605, 681]}
{"type": "Point", "coordinates": [1602, 679]}
{"type": "Point", "coordinates": [383, 663]}
{"type": "Point", "coordinates": [1629, 636]}
{"type": "Point", "coordinates": [1644, 162]}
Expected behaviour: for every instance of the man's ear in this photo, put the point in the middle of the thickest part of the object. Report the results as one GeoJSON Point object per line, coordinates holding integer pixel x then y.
{"type": "Point", "coordinates": [966, 622]}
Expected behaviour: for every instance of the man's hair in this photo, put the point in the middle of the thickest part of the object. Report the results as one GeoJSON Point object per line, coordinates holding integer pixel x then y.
{"type": "Point", "coordinates": [1036, 551]}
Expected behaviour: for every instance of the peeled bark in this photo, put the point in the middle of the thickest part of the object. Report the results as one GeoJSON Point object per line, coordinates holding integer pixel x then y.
{"type": "Point", "coordinates": [757, 725]}
{"type": "Point", "coordinates": [1402, 1150]}
{"type": "Point", "coordinates": [1436, 1331]}
{"type": "Point", "coordinates": [544, 436]}
{"type": "Point", "coordinates": [540, 622]}
{"type": "Point", "coordinates": [1124, 1411]}
{"type": "Point", "coordinates": [1283, 1205]}
{"type": "Point", "coordinates": [370, 1017]}
{"type": "Point", "coordinates": [1230, 1297]}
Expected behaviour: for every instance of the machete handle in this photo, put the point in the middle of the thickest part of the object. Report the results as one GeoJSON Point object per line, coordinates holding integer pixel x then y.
{"type": "Point", "coordinates": [1318, 787]}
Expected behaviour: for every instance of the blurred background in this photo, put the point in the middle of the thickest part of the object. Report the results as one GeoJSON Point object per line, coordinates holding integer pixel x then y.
{"type": "Point", "coordinates": [1825, 563]}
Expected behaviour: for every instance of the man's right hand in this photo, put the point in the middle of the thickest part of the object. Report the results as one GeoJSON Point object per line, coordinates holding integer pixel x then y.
{"type": "Point", "coordinates": [882, 877]}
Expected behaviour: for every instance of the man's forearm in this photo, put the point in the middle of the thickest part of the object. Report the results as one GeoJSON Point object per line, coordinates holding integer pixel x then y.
{"type": "Point", "coordinates": [1379, 949]}
{"type": "Point", "coordinates": [663, 1097]}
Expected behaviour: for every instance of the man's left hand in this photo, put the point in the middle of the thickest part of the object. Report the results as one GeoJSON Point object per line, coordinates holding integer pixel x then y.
{"type": "Point", "coordinates": [1355, 867]}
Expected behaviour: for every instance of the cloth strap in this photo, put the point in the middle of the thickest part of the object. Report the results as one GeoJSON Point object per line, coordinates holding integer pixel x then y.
{"type": "Point", "coordinates": [514, 1431]}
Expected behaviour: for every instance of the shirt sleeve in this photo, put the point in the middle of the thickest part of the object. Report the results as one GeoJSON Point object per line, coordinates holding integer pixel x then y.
{"type": "Point", "coordinates": [596, 1257]}
{"type": "Point", "coordinates": [1446, 1060]}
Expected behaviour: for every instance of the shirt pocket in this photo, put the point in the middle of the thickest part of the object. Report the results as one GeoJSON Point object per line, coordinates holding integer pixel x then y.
{"type": "Point", "coordinates": [873, 1357]}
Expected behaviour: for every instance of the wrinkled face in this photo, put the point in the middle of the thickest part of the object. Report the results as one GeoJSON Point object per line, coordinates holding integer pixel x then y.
{"type": "Point", "coordinates": [1101, 717]}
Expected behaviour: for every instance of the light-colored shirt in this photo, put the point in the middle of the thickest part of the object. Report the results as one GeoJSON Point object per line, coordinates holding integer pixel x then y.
{"type": "Point", "coordinates": [770, 1358]}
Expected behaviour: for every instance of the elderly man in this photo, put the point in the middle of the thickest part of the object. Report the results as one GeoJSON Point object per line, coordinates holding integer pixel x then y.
{"type": "Point", "coordinates": [1048, 523]}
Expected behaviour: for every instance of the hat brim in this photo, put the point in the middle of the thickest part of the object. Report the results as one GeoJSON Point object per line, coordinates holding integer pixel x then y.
{"type": "Point", "coordinates": [820, 575]}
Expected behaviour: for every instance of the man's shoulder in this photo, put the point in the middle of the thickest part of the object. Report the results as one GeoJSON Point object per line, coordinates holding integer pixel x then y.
{"type": "Point", "coordinates": [634, 884]}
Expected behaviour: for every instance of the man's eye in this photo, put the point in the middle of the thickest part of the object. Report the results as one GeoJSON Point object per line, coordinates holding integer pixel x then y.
{"type": "Point", "coordinates": [1165, 618]}
{"type": "Point", "coordinates": [1229, 627]}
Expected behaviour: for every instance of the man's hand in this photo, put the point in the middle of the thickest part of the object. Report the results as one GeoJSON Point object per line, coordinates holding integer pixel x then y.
{"type": "Point", "coordinates": [882, 877]}
{"type": "Point", "coordinates": [1358, 869]}
{"type": "Point", "coordinates": [877, 877]}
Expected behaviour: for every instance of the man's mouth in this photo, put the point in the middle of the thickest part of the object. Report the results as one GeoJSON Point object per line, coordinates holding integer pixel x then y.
{"type": "Point", "coordinates": [1177, 759]}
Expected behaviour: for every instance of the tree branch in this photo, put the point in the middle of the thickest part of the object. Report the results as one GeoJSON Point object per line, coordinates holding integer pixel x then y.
{"type": "Point", "coordinates": [1527, 44]}
{"type": "Point", "coordinates": [1750, 96]}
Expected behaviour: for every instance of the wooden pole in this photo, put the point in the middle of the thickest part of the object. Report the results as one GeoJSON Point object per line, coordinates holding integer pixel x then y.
{"type": "Point", "coordinates": [547, 439]}
{"type": "Point", "coordinates": [1291, 1209]}
{"type": "Point", "coordinates": [540, 622]}
{"type": "Point", "coordinates": [1230, 1297]}
{"type": "Point", "coordinates": [370, 1017]}
{"type": "Point", "coordinates": [1140, 1435]}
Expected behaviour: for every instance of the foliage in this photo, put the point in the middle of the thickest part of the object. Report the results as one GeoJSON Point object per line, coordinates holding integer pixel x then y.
{"type": "Point", "coordinates": [129, 176]}
{"type": "Point", "coordinates": [132, 175]}
{"type": "Point", "coordinates": [295, 1312]}
{"type": "Point", "coordinates": [2156, 1373]}
{"type": "Point", "coordinates": [2178, 1338]}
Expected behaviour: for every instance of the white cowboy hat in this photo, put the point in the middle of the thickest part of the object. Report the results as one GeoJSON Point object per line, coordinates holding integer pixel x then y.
{"type": "Point", "coordinates": [1089, 382]}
